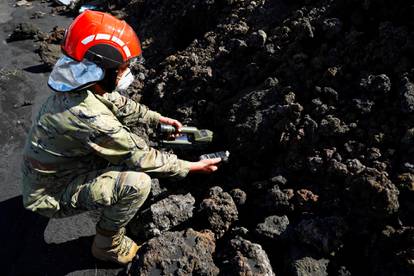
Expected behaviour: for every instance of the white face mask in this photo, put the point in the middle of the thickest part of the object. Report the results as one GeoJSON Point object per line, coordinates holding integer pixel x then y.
{"type": "Point", "coordinates": [125, 80]}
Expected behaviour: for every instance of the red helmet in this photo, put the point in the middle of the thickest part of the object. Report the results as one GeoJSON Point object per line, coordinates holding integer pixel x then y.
{"type": "Point", "coordinates": [101, 38]}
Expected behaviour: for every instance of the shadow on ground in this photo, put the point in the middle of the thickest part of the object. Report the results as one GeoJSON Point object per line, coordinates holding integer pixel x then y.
{"type": "Point", "coordinates": [23, 250]}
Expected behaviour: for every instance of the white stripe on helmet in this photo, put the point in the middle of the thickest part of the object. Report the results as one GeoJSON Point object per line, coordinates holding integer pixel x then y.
{"type": "Point", "coordinates": [88, 39]}
{"type": "Point", "coordinates": [103, 37]}
{"type": "Point", "coordinates": [118, 41]}
{"type": "Point", "coordinates": [115, 39]}
{"type": "Point", "coordinates": [126, 50]}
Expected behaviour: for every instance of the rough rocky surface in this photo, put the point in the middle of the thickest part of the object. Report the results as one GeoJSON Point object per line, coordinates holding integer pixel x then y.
{"type": "Point", "coordinates": [163, 216]}
{"type": "Point", "coordinates": [371, 195]}
{"type": "Point", "coordinates": [243, 257]}
{"type": "Point", "coordinates": [177, 253]}
{"type": "Point", "coordinates": [303, 262]}
{"type": "Point", "coordinates": [325, 234]}
{"type": "Point", "coordinates": [219, 211]}
{"type": "Point", "coordinates": [392, 251]}
{"type": "Point", "coordinates": [49, 47]}
{"type": "Point", "coordinates": [307, 266]}
{"type": "Point", "coordinates": [23, 31]}
{"type": "Point", "coordinates": [273, 227]}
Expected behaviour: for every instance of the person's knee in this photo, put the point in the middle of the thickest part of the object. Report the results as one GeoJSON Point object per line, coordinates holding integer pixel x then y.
{"type": "Point", "coordinates": [135, 183]}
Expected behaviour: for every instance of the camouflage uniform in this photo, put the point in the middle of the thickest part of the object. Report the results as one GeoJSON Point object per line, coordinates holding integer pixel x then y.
{"type": "Point", "coordinates": [80, 155]}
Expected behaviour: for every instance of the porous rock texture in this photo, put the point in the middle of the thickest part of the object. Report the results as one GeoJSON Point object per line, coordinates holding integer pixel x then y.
{"type": "Point", "coordinates": [304, 262]}
{"type": "Point", "coordinates": [307, 266]}
{"type": "Point", "coordinates": [219, 210]}
{"type": "Point", "coordinates": [242, 257]}
{"type": "Point", "coordinates": [163, 215]}
{"type": "Point", "coordinates": [315, 101]}
{"type": "Point", "coordinates": [323, 234]}
{"type": "Point", "coordinates": [177, 253]}
{"type": "Point", "coordinates": [273, 228]}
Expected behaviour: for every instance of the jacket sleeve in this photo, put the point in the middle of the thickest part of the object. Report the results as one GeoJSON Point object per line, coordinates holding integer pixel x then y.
{"type": "Point", "coordinates": [128, 111]}
{"type": "Point", "coordinates": [114, 142]}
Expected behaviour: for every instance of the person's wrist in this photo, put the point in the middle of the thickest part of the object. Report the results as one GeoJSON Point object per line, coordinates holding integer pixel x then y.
{"type": "Point", "coordinates": [195, 166]}
{"type": "Point", "coordinates": [164, 120]}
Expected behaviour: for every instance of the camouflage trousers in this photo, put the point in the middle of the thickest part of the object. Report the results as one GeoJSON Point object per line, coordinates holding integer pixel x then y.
{"type": "Point", "coordinates": [118, 194]}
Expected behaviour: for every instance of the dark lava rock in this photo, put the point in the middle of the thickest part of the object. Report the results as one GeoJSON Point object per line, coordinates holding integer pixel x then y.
{"type": "Point", "coordinates": [273, 227]}
{"type": "Point", "coordinates": [157, 190]}
{"type": "Point", "coordinates": [177, 253]}
{"type": "Point", "coordinates": [308, 266]}
{"type": "Point", "coordinates": [279, 180]}
{"type": "Point", "coordinates": [49, 49]}
{"type": "Point", "coordinates": [323, 234]}
{"type": "Point", "coordinates": [49, 53]}
{"type": "Point", "coordinates": [163, 215]}
{"type": "Point", "coordinates": [258, 39]}
{"type": "Point", "coordinates": [277, 200]}
{"type": "Point", "coordinates": [392, 252]}
{"type": "Point", "coordinates": [55, 36]}
{"type": "Point", "coordinates": [219, 211]}
{"type": "Point", "coordinates": [405, 184]}
{"type": "Point", "coordinates": [354, 166]}
{"type": "Point", "coordinates": [332, 126]}
{"type": "Point", "coordinates": [371, 195]}
{"type": "Point", "coordinates": [408, 138]}
{"type": "Point", "coordinates": [407, 96]}
{"type": "Point", "coordinates": [332, 27]}
{"type": "Point", "coordinates": [379, 84]}
{"type": "Point", "coordinates": [363, 106]}
{"type": "Point", "coordinates": [302, 262]}
{"type": "Point", "coordinates": [24, 31]}
{"type": "Point", "coordinates": [305, 200]}
{"type": "Point", "coordinates": [343, 271]}
{"type": "Point", "coordinates": [239, 196]}
{"type": "Point", "coordinates": [242, 257]}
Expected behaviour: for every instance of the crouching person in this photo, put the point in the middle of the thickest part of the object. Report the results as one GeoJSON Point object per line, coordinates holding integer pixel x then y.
{"type": "Point", "coordinates": [80, 154]}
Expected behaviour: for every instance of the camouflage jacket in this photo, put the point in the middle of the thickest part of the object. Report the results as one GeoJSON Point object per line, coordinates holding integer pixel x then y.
{"type": "Point", "coordinates": [78, 132]}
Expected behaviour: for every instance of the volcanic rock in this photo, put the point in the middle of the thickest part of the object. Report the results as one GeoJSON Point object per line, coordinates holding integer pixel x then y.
{"type": "Point", "coordinates": [157, 190]}
{"type": "Point", "coordinates": [323, 234]}
{"type": "Point", "coordinates": [407, 96]}
{"type": "Point", "coordinates": [303, 262]}
{"type": "Point", "coordinates": [305, 200]}
{"type": "Point", "coordinates": [273, 228]}
{"type": "Point", "coordinates": [219, 211]}
{"type": "Point", "coordinates": [163, 215]}
{"type": "Point", "coordinates": [371, 195]}
{"type": "Point", "coordinates": [242, 257]}
{"type": "Point", "coordinates": [49, 53]}
{"type": "Point", "coordinates": [177, 253]}
{"type": "Point", "coordinates": [277, 200]}
{"type": "Point", "coordinates": [332, 27]}
{"type": "Point", "coordinates": [24, 31]}
{"type": "Point", "coordinates": [405, 184]}
{"type": "Point", "coordinates": [308, 266]}
{"type": "Point", "coordinates": [392, 251]}
{"type": "Point", "coordinates": [379, 84]}
{"type": "Point", "coordinates": [239, 196]}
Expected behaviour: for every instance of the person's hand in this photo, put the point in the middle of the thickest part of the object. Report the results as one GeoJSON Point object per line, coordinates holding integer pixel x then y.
{"type": "Point", "coordinates": [205, 165]}
{"type": "Point", "coordinates": [172, 122]}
